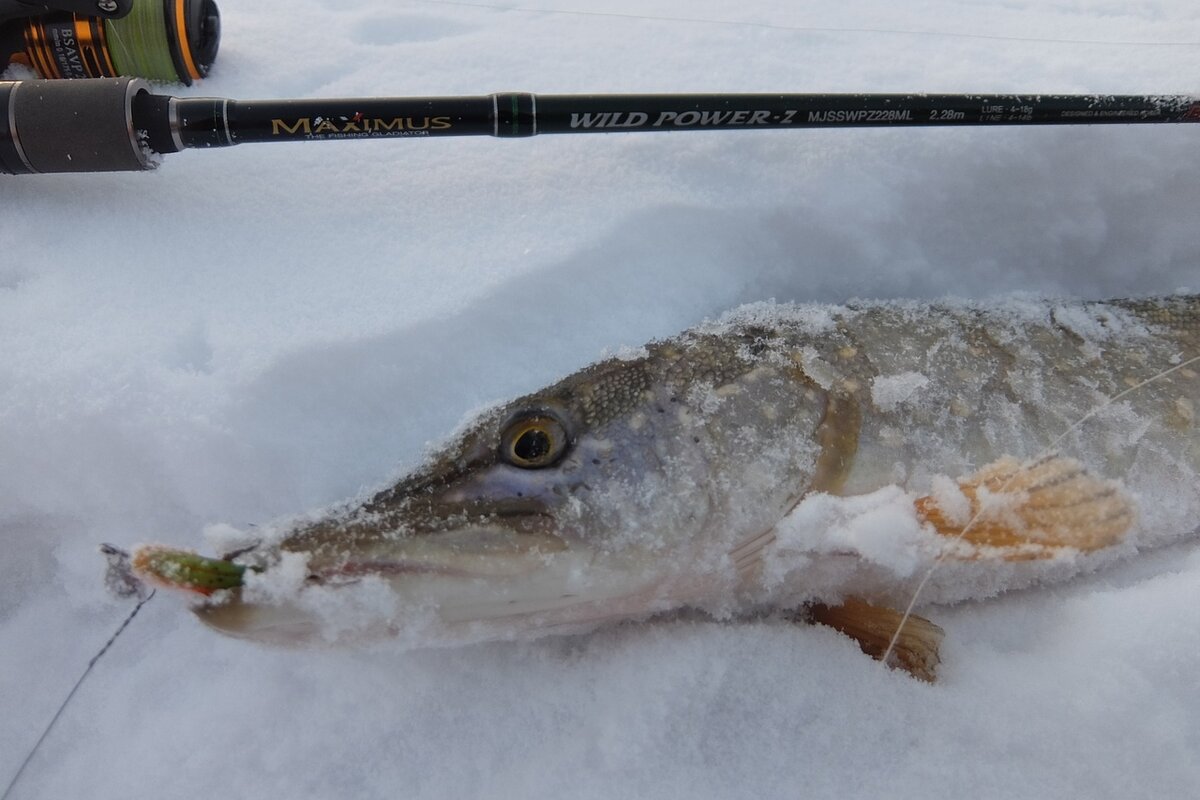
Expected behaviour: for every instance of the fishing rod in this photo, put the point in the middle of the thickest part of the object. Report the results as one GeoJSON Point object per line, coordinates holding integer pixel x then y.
{"type": "Point", "coordinates": [120, 124]}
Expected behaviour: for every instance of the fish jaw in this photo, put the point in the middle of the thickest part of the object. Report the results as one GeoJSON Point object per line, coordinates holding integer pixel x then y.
{"type": "Point", "coordinates": [468, 583]}
{"type": "Point", "coordinates": [568, 593]}
{"type": "Point", "coordinates": [424, 586]}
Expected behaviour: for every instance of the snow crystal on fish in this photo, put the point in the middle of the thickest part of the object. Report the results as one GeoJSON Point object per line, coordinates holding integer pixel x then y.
{"type": "Point", "coordinates": [888, 391]}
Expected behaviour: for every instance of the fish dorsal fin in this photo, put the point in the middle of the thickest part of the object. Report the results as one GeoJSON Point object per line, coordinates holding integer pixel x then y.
{"type": "Point", "coordinates": [916, 645]}
{"type": "Point", "coordinates": [1019, 512]}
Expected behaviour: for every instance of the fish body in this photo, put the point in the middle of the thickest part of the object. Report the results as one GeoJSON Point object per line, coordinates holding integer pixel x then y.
{"type": "Point", "coordinates": [711, 470]}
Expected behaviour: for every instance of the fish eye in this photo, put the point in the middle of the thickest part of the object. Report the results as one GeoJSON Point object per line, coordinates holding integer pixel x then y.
{"type": "Point", "coordinates": [533, 442]}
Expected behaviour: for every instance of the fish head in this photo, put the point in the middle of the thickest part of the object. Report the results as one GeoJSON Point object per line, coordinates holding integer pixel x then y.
{"type": "Point", "coordinates": [617, 492]}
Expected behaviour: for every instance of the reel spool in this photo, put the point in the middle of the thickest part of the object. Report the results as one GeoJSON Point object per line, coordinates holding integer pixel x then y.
{"type": "Point", "coordinates": [173, 41]}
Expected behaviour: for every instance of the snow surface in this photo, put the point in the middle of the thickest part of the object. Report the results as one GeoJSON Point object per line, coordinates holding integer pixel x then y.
{"type": "Point", "coordinates": [267, 329]}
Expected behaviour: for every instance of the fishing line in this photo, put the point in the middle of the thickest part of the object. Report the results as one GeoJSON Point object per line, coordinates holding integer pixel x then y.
{"type": "Point", "coordinates": [809, 28]}
{"type": "Point", "coordinates": [33, 751]}
{"type": "Point", "coordinates": [1050, 448]}
{"type": "Point", "coordinates": [139, 43]}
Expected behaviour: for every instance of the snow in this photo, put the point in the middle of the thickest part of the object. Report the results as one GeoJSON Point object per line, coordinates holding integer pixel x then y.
{"type": "Point", "coordinates": [889, 391]}
{"type": "Point", "coordinates": [880, 528]}
{"type": "Point", "coordinates": [267, 329]}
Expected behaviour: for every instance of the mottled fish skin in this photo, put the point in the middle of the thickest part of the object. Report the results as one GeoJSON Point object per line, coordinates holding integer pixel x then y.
{"type": "Point", "coordinates": [676, 464]}
{"type": "Point", "coordinates": [1011, 381]}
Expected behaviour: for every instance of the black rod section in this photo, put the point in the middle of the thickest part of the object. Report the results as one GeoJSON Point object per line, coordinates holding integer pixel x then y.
{"type": "Point", "coordinates": [204, 122]}
{"type": "Point", "coordinates": [127, 122]}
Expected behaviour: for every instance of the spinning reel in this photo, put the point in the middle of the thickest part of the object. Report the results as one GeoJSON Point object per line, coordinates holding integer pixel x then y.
{"type": "Point", "coordinates": [173, 41]}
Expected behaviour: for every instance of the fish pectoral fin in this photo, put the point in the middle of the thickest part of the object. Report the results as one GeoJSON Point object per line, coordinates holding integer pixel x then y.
{"type": "Point", "coordinates": [873, 627]}
{"type": "Point", "coordinates": [1023, 511]}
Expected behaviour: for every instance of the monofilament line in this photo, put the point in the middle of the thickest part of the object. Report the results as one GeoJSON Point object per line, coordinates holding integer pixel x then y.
{"type": "Point", "coordinates": [1050, 448]}
{"type": "Point", "coordinates": [33, 751]}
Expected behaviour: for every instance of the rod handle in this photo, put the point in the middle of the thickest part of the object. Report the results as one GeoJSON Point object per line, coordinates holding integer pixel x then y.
{"type": "Point", "coordinates": [71, 126]}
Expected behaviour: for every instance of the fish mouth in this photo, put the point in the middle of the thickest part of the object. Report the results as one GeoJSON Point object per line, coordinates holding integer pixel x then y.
{"type": "Point", "coordinates": [480, 550]}
{"type": "Point", "coordinates": [420, 584]}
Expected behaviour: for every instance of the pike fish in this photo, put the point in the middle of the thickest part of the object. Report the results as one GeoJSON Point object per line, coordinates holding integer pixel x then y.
{"type": "Point", "coordinates": [809, 458]}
